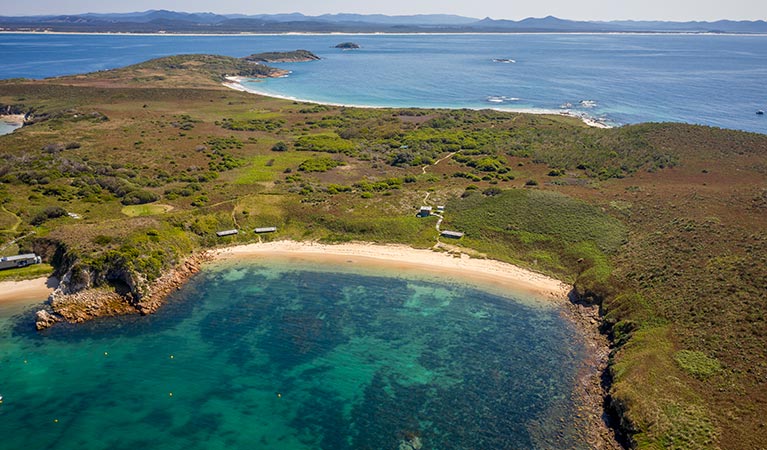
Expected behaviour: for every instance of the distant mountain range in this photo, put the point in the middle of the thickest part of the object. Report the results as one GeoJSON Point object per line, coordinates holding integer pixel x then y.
{"type": "Point", "coordinates": [158, 21]}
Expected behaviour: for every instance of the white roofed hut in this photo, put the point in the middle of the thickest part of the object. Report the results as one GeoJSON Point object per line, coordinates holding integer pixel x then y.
{"type": "Point", "coordinates": [425, 211]}
{"type": "Point", "coordinates": [12, 262]}
{"type": "Point", "coordinates": [451, 234]}
{"type": "Point", "coordinates": [265, 230]}
{"type": "Point", "coordinates": [225, 233]}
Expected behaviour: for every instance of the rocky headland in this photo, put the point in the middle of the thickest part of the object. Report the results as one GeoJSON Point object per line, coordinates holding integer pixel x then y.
{"type": "Point", "coordinates": [77, 300]}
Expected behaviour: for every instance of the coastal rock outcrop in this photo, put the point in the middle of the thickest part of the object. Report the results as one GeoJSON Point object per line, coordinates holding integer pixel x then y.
{"type": "Point", "coordinates": [44, 319]}
{"type": "Point", "coordinates": [84, 293]}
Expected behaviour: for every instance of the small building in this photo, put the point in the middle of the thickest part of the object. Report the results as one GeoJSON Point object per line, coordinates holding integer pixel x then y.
{"type": "Point", "coordinates": [440, 209]}
{"type": "Point", "coordinates": [452, 234]}
{"type": "Point", "coordinates": [226, 233]}
{"type": "Point", "coordinates": [12, 262]}
{"type": "Point", "coordinates": [425, 211]}
{"type": "Point", "coordinates": [265, 230]}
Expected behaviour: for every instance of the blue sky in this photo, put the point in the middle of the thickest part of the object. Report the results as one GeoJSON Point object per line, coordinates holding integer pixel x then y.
{"type": "Point", "coordinates": [506, 9]}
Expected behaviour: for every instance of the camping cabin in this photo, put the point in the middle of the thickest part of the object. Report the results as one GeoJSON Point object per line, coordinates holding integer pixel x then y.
{"type": "Point", "coordinates": [265, 230]}
{"type": "Point", "coordinates": [12, 262]}
{"type": "Point", "coordinates": [425, 211]}
{"type": "Point", "coordinates": [226, 233]}
{"type": "Point", "coordinates": [452, 234]}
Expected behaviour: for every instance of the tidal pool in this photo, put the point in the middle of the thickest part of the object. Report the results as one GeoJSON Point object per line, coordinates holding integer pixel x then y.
{"type": "Point", "coordinates": [284, 356]}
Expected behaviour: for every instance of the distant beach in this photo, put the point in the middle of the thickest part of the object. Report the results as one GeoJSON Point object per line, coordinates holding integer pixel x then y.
{"type": "Point", "coordinates": [236, 83]}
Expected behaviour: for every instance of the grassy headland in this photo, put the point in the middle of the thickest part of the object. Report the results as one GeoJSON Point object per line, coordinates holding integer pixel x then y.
{"type": "Point", "coordinates": [662, 224]}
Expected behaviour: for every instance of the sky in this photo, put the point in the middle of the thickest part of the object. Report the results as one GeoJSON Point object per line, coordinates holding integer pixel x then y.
{"type": "Point", "coordinates": [498, 9]}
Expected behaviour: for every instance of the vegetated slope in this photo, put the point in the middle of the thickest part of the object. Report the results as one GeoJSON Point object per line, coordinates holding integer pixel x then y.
{"type": "Point", "coordinates": [663, 223]}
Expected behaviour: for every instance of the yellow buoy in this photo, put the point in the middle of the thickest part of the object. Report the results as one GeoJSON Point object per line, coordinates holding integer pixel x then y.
{"type": "Point", "coordinates": [106, 354]}
{"type": "Point", "coordinates": [25, 361]}
{"type": "Point", "coordinates": [170, 394]}
{"type": "Point", "coordinates": [55, 420]}
{"type": "Point", "coordinates": [279, 395]}
{"type": "Point", "coordinates": [171, 356]}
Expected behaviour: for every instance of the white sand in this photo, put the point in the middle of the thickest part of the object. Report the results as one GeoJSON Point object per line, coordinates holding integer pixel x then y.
{"type": "Point", "coordinates": [502, 276]}
{"type": "Point", "coordinates": [32, 290]}
{"type": "Point", "coordinates": [15, 119]}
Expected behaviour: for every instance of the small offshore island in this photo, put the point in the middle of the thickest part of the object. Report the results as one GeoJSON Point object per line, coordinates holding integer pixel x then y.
{"type": "Point", "coordinates": [126, 185]}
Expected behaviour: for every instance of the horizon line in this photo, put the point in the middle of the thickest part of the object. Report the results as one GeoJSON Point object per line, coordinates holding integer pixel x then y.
{"type": "Point", "coordinates": [392, 15]}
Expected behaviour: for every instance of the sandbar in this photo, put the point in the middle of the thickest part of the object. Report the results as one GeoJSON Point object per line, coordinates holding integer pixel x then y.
{"type": "Point", "coordinates": [502, 276]}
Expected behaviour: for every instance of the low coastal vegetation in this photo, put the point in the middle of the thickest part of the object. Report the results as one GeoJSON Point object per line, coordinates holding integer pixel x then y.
{"type": "Point", "coordinates": [121, 176]}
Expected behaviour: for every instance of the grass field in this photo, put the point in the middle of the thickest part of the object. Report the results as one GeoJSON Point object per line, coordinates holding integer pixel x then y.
{"type": "Point", "coordinates": [26, 273]}
{"type": "Point", "coordinates": [146, 210]}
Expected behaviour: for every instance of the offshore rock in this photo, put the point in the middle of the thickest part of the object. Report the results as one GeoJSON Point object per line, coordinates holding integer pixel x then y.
{"type": "Point", "coordinates": [44, 319]}
{"type": "Point", "coordinates": [348, 45]}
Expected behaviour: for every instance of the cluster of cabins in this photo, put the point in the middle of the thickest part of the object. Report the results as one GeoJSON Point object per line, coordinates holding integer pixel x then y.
{"type": "Point", "coordinates": [427, 211]}
{"type": "Point", "coordinates": [262, 230]}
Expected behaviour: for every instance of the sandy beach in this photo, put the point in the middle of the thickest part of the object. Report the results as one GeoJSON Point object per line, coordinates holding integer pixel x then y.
{"type": "Point", "coordinates": [37, 289]}
{"type": "Point", "coordinates": [489, 273]}
{"type": "Point", "coordinates": [14, 119]}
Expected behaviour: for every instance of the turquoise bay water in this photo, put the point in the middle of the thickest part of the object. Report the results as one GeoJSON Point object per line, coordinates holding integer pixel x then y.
{"type": "Point", "coordinates": [6, 127]}
{"type": "Point", "coordinates": [716, 80]}
{"type": "Point", "coordinates": [286, 357]}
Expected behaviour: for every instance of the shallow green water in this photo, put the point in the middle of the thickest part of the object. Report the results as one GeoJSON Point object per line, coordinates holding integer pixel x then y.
{"type": "Point", "coordinates": [266, 357]}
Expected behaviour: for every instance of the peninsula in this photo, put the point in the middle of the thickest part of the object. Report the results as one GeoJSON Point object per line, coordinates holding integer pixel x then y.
{"type": "Point", "coordinates": [126, 184]}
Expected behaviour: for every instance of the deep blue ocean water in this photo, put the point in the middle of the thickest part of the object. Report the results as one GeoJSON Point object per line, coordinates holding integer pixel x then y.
{"type": "Point", "coordinates": [287, 357]}
{"type": "Point", "coordinates": [714, 80]}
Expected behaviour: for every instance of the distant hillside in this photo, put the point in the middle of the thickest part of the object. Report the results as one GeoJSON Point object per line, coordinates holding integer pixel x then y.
{"type": "Point", "coordinates": [157, 21]}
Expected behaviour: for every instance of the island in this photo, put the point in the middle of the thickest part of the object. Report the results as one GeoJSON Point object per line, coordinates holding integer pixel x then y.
{"type": "Point", "coordinates": [283, 57]}
{"type": "Point", "coordinates": [348, 46]}
{"type": "Point", "coordinates": [126, 181]}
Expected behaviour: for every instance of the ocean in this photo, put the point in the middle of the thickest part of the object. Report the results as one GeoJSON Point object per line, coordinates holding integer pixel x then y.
{"type": "Point", "coordinates": [291, 357]}
{"type": "Point", "coordinates": [716, 80]}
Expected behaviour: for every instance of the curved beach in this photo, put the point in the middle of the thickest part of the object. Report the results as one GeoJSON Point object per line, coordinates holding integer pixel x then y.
{"type": "Point", "coordinates": [487, 272]}
{"type": "Point", "coordinates": [236, 83]}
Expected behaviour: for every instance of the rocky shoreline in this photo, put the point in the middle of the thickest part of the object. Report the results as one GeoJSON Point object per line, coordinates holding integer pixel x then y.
{"type": "Point", "coordinates": [590, 391]}
{"type": "Point", "coordinates": [90, 303]}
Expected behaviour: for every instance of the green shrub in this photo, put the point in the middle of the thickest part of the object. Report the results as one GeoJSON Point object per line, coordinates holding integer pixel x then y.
{"type": "Point", "coordinates": [139, 197]}
{"type": "Point", "coordinates": [50, 212]}
{"type": "Point", "coordinates": [321, 164]}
